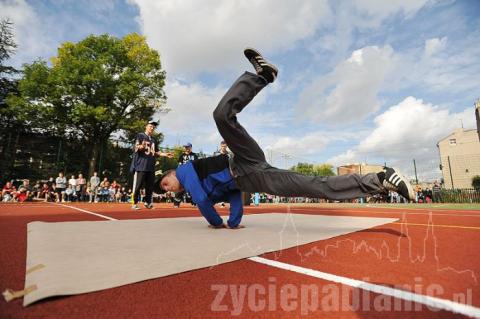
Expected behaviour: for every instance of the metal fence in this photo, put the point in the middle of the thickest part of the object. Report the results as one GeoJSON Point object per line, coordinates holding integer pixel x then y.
{"type": "Point", "coordinates": [468, 195]}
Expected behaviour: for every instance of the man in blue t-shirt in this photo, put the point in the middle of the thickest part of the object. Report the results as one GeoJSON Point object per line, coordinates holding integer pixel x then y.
{"type": "Point", "coordinates": [143, 164]}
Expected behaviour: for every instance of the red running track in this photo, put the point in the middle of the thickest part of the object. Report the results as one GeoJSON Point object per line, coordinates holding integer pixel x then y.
{"type": "Point", "coordinates": [426, 249]}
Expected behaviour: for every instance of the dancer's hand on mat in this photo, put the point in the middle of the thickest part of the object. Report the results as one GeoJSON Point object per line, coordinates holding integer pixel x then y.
{"type": "Point", "coordinates": [218, 227]}
{"type": "Point", "coordinates": [237, 227]}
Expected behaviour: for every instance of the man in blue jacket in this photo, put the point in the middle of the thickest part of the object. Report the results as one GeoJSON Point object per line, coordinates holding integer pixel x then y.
{"type": "Point", "coordinates": [209, 181]}
{"type": "Point", "coordinates": [222, 178]}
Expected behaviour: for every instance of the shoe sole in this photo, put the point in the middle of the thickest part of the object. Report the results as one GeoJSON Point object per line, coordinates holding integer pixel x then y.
{"type": "Point", "coordinates": [411, 192]}
{"type": "Point", "coordinates": [251, 53]}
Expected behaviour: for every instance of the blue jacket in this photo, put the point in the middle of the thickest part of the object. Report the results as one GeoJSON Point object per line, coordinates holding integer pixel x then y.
{"type": "Point", "coordinates": [208, 180]}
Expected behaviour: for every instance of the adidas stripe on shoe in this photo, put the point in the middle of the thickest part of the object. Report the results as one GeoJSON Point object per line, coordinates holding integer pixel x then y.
{"type": "Point", "coordinates": [395, 181]}
{"type": "Point", "coordinates": [262, 67]}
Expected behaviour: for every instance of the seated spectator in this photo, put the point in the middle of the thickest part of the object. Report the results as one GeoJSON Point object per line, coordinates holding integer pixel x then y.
{"type": "Point", "coordinates": [123, 195]}
{"type": "Point", "coordinates": [118, 195]}
{"type": "Point", "coordinates": [8, 192]}
{"type": "Point", "coordinates": [105, 183]}
{"type": "Point", "coordinates": [60, 187]}
{"type": "Point", "coordinates": [24, 192]}
{"type": "Point", "coordinates": [71, 191]}
{"type": "Point", "coordinates": [70, 195]}
{"type": "Point", "coordinates": [81, 187]}
{"type": "Point", "coordinates": [104, 194]}
{"type": "Point", "coordinates": [47, 193]}
{"type": "Point", "coordinates": [114, 189]}
{"type": "Point", "coordinates": [88, 192]}
{"type": "Point", "coordinates": [111, 193]}
{"type": "Point", "coordinates": [51, 182]}
{"type": "Point", "coordinates": [36, 189]}
{"type": "Point", "coordinates": [169, 197]}
{"type": "Point", "coordinates": [103, 190]}
{"type": "Point", "coordinates": [115, 184]}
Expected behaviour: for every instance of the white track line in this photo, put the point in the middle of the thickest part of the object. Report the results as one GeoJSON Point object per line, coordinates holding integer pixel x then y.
{"type": "Point", "coordinates": [429, 301]}
{"type": "Point", "coordinates": [396, 293]}
{"type": "Point", "coordinates": [393, 212]}
{"type": "Point", "coordinates": [86, 211]}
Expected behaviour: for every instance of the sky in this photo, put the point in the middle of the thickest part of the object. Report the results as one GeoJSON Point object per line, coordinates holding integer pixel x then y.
{"type": "Point", "coordinates": [368, 81]}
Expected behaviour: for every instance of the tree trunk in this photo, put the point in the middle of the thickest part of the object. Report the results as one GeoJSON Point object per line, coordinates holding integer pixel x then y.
{"type": "Point", "coordinates": [14, 155]}
{"type": "Point", "coordinates": [92, 167]}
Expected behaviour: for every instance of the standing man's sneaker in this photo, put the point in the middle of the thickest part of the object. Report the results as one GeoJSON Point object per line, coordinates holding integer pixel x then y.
{"type": "Point", "coordinates": [266, 70]}
{"type": "Point", "coordinates": [148, 206]}
{"type": "Point", "coordinates": [135, 207]}
{"type": "Point", "coordinates": [392, 180]}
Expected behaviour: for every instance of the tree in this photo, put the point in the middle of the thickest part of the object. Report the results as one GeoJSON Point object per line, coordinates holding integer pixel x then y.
{"type": "Point", "coordinates": [94, 88]}
{"type": "Point", "coordinates": [303, 168]}
{"type": "Point", "coordinates": [324, 170]}
{"type": "Point", "coordinates": [476, 182]}
{"type": "Point", "coordinates": [313, 170]}
{"type": "Point", "coordinates": [7, 48]}
{"type": "Point", "coordinates": [8, 85]}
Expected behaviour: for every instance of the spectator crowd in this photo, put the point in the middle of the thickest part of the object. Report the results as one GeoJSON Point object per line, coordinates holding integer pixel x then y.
{"type": "Point", "coordinates": [60, 189]}
{"type": "Point", "coordinates": [95, 190]}
{"type": "Point", "coordinates": [79, 189]}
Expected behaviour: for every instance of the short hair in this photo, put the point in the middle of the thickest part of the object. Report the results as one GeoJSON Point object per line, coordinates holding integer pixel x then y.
{"type": "Point", "coordinates": [157, 187]}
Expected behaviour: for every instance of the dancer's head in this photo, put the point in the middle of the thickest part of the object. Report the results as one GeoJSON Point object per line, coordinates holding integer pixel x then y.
{"type": "Point", "coordinates": [169, 182]}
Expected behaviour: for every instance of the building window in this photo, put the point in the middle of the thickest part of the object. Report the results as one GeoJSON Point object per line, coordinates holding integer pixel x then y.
{"type": "Point", "coordinates": [453, 141]}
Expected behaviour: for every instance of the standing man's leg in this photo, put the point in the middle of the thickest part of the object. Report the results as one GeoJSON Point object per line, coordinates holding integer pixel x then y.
{"type": "Point", "coordinates": [149, 183]}
{"type": "Point", "coordinates": [138, 181]}
{"type": "Point", "coordinates": [95, 194]}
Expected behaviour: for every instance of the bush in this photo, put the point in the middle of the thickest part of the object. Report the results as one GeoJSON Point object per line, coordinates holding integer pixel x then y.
{"type": "Point", "coordinates": [476, 182]}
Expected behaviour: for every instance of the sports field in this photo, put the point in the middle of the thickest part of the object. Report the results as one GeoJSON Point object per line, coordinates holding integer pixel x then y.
{"type": "Point", "coordinates": [425, 260]}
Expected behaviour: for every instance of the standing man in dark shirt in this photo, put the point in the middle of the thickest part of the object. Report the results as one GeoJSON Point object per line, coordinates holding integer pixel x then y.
{"type": "Point", "coordinates": [185, 157]}
{"type": "Point", "coordinates": [437, 192]}
{"type": "Point", "coordinates": [143, 164]}
{"type": "Point", "coordinates": [223, 150]}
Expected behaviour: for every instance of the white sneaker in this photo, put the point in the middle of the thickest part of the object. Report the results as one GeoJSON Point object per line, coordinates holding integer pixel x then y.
{"type": "Point", "coordinates": [135, 207]}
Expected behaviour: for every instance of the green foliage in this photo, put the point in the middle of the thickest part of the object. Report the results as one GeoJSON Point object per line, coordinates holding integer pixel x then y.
{"type": "Point", "coordinates": [8, 85]}
{"type": "Point", "coordinates": [476, 182]}
{"type": "Point", "coordinates": [460, 195]}
{"type": "Point", "coordinates": [7, 46]}
{"type": "Point", "coordinates": [313, 170]}
{"type": "Point", "coordinates": [99, 85]}
{"type": "Point", "coordinates": [170, 163]}
{"type": "Point", "coordinates": [92, 89]}
{"type": "Point", "coordinates": [10, 118]}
